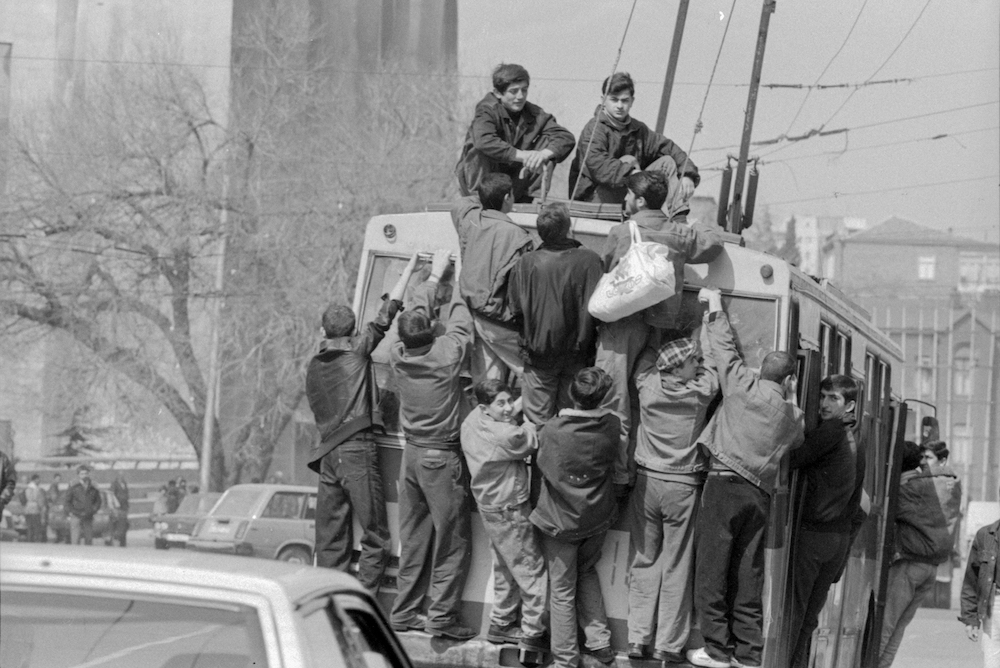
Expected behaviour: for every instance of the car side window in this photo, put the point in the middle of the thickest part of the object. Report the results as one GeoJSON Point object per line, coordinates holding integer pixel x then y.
{"type": "Point", "coordinates": [285, 505]}
{"type": "Point", "coordinates": [368, 634]}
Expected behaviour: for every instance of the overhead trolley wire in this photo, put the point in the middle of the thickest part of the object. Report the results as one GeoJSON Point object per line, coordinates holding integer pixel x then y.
{"type": "Point", "coordinates": [698, 124]}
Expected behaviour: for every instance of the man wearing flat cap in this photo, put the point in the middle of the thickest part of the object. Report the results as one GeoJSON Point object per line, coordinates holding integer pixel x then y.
{"type": "Point", "coordinates": [675, 390]}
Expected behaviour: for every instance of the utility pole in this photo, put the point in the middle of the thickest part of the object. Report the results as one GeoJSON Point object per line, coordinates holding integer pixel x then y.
{"type": "Point", "coordinates": [675, 52]}
{"type": "Point", "coordinates": [212, 389]}
{"type": "Point", "coordinates": [736, 210]}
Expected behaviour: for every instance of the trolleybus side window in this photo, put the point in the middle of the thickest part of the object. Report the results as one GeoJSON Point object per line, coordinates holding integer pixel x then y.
{"type": "Point", "coordinates": [754, 320]}
{"type": "Point", "coordinates": [826, 343]}
{"type": "Point", "coordinates": [843, 353]}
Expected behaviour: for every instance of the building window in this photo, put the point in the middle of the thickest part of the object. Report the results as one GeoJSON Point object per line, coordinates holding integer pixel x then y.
{"type": "Point", "coordinates": [925, 267]}
{"type": "Point", "coordinates": [963, 372]}
{"type": "Point", "coordinates": [925, 377]}
{"type": "Point", "coordinates": [961, 442]}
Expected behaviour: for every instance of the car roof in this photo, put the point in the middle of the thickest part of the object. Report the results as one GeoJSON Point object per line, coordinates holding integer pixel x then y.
{"type": "Point", "coordinates": [263, 486]}
{"type": "Point", "coordinates": [179, 567]}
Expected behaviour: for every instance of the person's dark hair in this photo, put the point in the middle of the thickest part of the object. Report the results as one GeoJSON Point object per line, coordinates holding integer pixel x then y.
{"type": "Point", "coordinates": [777, 366]}
{"type": "Point", "coordinates": [553, 222]}
{"type": "Point", "coordinates": [488, 390]}
{"type": "Point", "coordinates": [493, 188]}
{"type": "Point", "coordinates": [842, 385]}
{"type": "Point", "coordinates": [415, 329]}
{"type": "Point", "coordinates": [35, 476]}
{"type": "Point", "coordinates": [338, 320]}
{"type": "Point", "coordinates": [83, 468]}
{"type": "Point", "coordinates": [589, 387]}
{"type": "Point", "coordinates": [938, 448]}
{"type": "Point", "coordinates": [651, 186]}
{"type": "Point", "coordinates": [911, 456]}
{"type": "Point", "coordinates": [507, 73]}
{"type": "Point", "coordinates": [617, 83]}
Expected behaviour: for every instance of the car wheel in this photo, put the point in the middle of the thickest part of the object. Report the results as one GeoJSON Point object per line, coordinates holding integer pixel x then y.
{"type": "Point", "coordinates": [296, 555]}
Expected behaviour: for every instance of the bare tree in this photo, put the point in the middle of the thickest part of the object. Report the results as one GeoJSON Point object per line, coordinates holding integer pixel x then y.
{"type": "Point", "coordinates": [113, 229]}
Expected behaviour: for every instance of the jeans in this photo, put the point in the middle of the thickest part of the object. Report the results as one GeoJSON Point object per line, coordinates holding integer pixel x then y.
{"type": "Point", "coordinates": [546, 391]}
{"type": "Point", "coordinates": [619, 345]}
{"type": "Point", "coordinates": [909, 582]}
{"type": "Point", "coordinates": [350, 482]}
{"type": "Point", "coordinates": [729, 571]}
{"type": "Point", "coordinates": [575, 597]}
{"type": "Point", "coordinates": [495, 353]}
{"type": "Point", "coordinates": [819, 558]}
{"type": "Point", "coordinates": [519, 577]}
{"type": "Point", "coordinates": [661, 580]}
{"type": "Point", "coordinates": [435, 535]}
{"type": "Point", "coordinates": [81, 528]}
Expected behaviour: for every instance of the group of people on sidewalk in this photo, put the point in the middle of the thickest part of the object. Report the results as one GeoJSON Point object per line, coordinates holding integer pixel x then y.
{"type": "Point", "coordinates": [576, 419]}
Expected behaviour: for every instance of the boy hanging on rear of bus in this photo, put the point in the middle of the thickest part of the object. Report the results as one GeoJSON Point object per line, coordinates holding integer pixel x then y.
{"type": "Point", "coordinates": [675, 390]}
{"type": "Point", "coordinates": [576, 508]}
{"type": "Point", "coordinates": [435, 531]}
{"type": "Point", "coordinates": [619, 343]}
{"type": "Point", "coordinates": [495, 450]}
{"type": "Point", "coordinates": [614, 145]}
{"type": "Point", "coordinates": [833, 465]}
{"type": "Point", "coordinates": [756, 424]}
{"type": "Point", "coordinates": [340, 386]}
{"type": "Point", "coordinates": [511, 135]}
{"type": "Point", "coordinates": [549, 290]}
{"type": "Point", "coordinates": [490, 244]}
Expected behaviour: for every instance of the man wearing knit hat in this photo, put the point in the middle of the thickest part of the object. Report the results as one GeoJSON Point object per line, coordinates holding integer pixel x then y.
{"type": "Point", "coordinates": [675, 390]}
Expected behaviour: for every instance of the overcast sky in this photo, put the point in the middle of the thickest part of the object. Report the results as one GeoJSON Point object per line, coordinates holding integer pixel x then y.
{"type": "Point", "coordinates": [951, 58]}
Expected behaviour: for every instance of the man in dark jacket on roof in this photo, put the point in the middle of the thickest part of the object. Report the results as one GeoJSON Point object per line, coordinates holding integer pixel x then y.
{"type": "Point", "coordinates": [343, 396]}
{"type": "Point", "coordinates": [549, 289]}
{"type": "Point", "coordinates": [922, 542]}
{"type": "Point", "coordinates": [614, 145]}
{"type": "Point", "coordinates": [621, 342]}
{"type": "Point", "coordinates": [511, 135]}
{"type": "Point", "coordinates": [490, 244]}
{"type": "Point", "coordinates": [833, 465]}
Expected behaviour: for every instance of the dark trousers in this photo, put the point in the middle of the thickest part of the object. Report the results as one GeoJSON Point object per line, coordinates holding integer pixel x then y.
{"type": "Point", "coordinates": [819, 558]}
{"type": "Point", "coordinates": [435, 535]}
{"type": "Point", "coordinates": [34, 526]}
{"type": "Point", "coordinates": [546, 391]}
{"type": "Point", "coordinates": [350, 482]}
{"type": "Point", "coordinates": [119, 528]}
{"type": "Point", "coordinates": [729, 571]}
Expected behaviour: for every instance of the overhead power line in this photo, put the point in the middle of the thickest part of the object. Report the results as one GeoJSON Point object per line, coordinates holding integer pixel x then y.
{"type": "Point", "coordinates": [915, 186]}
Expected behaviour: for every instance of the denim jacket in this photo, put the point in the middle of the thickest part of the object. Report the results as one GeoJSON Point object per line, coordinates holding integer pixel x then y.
{"type": "Point", "coordinates": [978, 586]}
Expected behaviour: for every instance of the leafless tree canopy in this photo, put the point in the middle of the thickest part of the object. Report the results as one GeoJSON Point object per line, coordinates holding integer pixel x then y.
{"type": "Point", "coordinates": [119, 199]}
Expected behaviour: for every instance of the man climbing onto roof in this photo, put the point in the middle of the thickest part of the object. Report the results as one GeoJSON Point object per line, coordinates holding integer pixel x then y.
{"type": "Point", "coordinates": [614, 145]}
{"type": "Point", "coordinates": [508, 134]}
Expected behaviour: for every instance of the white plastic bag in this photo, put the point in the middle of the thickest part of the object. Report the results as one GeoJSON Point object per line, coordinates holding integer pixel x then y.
{"type": "Point", "coordinates": [644, 276]}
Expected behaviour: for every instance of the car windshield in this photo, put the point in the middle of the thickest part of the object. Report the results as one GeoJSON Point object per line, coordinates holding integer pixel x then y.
{"type": "Point", "coordinates": [237, 502]}
{"type": "Point", "coordinates": [197, 504]}
{"type": "Point", "coordinates": [96, 629]}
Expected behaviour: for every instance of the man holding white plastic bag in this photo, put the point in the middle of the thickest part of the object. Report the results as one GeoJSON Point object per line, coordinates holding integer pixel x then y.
{"type": "Point", "coordinates": [620, 343]}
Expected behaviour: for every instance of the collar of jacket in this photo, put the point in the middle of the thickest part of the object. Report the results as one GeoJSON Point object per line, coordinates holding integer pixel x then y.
{"type": "Point", "coordinates": [417, 352]}
{"type": "Point", "coordinates": [528, 114]}
{"type": "Point", "coordinates": [576, 412]}
{"type": "Point", "coordinates": [561, 245]}
{"type": "Point", "coordinates": [336, 343]}
{"type": "Point", "coordinates": [626, 127]}
{"type": "Point", "coordinates": [651, 219]}
{"type": "Point", "coordinates": [493, 214]}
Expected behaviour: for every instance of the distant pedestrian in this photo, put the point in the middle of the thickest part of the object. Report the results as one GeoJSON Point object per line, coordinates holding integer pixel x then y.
{"type": "Point", "coordinates": [83, 502]}
{"type": "Point", "coordinates": [930, 431]}
{"type": "Point", "coordinates": [576, 508]}
{"type": "Point", "coordinates": [34, 506]}
{"type": "Point", "coordinates": [922, 542]}
{"type": "Point", "coordinates": [173, 497]}
{"type": "Point", "coordinates": [8, 480]}
{"type": "Point", "coordinates": [981, 593]}
{"type": "Point", "coordinates": [119, 518]}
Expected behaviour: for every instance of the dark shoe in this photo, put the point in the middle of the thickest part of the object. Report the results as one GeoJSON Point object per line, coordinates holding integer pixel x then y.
{"type": "Point", "coordinates": [504, 635]}
{"type": "Point", "coordinates": [668, 657]}
{"type": "Point", "coordinates": [605, 655]}
{"type": "Point", "coordinates": [637, 651]}
{"type": "Point", "coordinates": [453, 631]}
{"type": "Point", "coordinates": [417, 623]}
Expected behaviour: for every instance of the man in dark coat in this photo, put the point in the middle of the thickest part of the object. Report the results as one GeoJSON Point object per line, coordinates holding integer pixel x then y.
{"type": "Point", "coordinates": [83, 501]}
{"type": "Point", "coordinates": [508, 134]}
{"type": "Point", "coordinates": [833, 466]}
{"type": "Point", "coordinates": [343, 396]}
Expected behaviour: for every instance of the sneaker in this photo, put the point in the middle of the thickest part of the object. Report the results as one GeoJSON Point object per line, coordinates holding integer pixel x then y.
{"type": "Point", "coordinates": [453, 631]}
{"type": "Point", "coordinates": [605, 655]}
{"type": "Point", "coordinates": [416, 623]}
{"type": "Point", "coordinates": [637, 651]}
{"type": "Point", "coordinates": [668, 657]}
{"type": "Point", "coordinates": [504, 635]}
{"type": "Point", "coordinates": [699, 657]}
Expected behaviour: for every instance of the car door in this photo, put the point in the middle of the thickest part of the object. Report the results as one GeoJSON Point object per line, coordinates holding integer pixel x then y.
{"type": "Point", "coordinates": [279, 522]}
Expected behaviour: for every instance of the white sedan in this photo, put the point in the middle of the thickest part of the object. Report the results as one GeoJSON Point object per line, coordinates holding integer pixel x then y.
{"type": "Point", "coordinates": [111, 608]}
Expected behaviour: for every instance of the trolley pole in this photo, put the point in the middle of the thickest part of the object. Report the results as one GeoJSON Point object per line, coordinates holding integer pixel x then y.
{"type": "Point", "coordinates": [675, 52]}
{"type": "Point", "coordinates": [736, 210]}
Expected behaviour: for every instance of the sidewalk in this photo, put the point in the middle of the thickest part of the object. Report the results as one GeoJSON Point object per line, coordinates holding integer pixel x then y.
{"type": "Point", "coordinates": [935, 639]}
